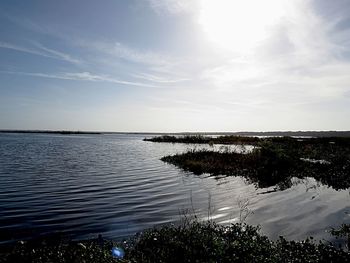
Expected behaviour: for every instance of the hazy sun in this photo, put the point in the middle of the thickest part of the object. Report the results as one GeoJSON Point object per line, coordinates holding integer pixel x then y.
{"type": "Point", "coordinates": [239, 25]}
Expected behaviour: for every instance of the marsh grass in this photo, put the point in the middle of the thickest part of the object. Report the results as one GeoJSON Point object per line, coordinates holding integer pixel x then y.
{"type": "Point", "coordinates": [273, 163]}
{"type": "Point", "coordinates": [333, 149]}
{"type": "Point", "coordinates": [200, 139]}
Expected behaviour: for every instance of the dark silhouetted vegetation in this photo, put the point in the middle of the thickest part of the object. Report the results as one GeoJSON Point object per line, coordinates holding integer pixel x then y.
{"type": "Point", "coordinates": [48, 132]}
{"type": "Point", "coordinates": [189, 242]}
{"type": "Point", "coordinates": [342, 232]}
{"type": "Point", "coordinates": [276, 161]}
{"type": "Point", "coordinates": [229, 139]}
{"type": "Point", "coordinates": [57, 249]}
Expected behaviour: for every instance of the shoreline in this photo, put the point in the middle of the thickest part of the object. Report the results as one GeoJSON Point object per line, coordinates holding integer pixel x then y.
{"type": "Point", "coordinates": [317, 134]}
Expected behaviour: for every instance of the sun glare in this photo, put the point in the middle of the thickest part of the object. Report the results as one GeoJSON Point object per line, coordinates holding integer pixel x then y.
{"type": "Point", "coordinates": [239, 25]}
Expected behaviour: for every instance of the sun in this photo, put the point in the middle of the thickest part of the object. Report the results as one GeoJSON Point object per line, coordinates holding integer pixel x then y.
{"type": "Point", "coordinates": [239, 25]}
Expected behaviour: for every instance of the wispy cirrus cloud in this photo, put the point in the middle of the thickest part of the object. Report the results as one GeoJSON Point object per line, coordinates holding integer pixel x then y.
{"type": "Point", "coordinates": [156, 67]}
{"type": "Point", "coordinates": [159, 79]}
{"type": "Point", "coordinates": [41, 50]}
{"type": "Point", "coordinates": [23, 49]}
{"type": "Point", "coordinates": [172, 6]}
{"type": "Point", "coordinates": [117, 50]}
{"type": "Point", "coordinates": [57, 54]}
{"type": "Point", "coordinates": [80, 76]}
{"type": "Point", "coordinates": [145, 57]}
{"type": "Point", "coordinates": [164, 68]}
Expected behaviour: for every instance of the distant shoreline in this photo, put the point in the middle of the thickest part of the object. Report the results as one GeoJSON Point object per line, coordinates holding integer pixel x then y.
{"type": "Point", "coordinates": [242, 133]}
{"type": "Point", "coordinates": [49, 132]}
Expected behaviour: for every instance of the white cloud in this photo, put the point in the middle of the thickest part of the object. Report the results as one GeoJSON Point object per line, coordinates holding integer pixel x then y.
{"type": "Point", "coordinates": [164, 68]}
{"type": "Point", "coordinates": [301, 62]}
{"type": "Point", "coordinates": [57, 54]}
{"type": "Point", "coordinates": [145, 57]}
{"type": "Point", "coordinates": [83, 76]}
{"type": "Point", "coordinates": [120, 51]}
{"type": "Point", "coordinates": [172, 6]}
{"type": "Point", "coordinates": [156, 67]}
{"type": "Point", "coordinates": [41, 51]}
{"type": "Point", "coordinates": [298, 63]}
{"type": "Point", "coordinates": [23, 49]}
{"type": "Point", "coordinates": [158, 79]}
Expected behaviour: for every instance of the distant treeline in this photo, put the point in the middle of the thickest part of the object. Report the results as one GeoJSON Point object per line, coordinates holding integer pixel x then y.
{"type": "Point", "coordinates": [273, 133]}
{"type": "Point", "coordinates": [51, 132]}
{"type": "Point", "coordinates": [235, 139]}
{"type": "Point", "coordinates": [245, 133]}
{"type": "Point", "coordinates": [297, 133]}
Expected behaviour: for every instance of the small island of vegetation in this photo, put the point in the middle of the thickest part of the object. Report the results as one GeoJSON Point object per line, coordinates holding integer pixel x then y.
{"type": "Point", "coordinates": [274, 161]}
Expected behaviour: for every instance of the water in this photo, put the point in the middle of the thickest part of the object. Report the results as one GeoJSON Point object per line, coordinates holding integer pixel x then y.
{"type": "Point", "coordinates": [115, 185]}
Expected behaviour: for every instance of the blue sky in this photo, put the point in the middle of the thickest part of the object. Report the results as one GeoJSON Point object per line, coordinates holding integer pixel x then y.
{"type": "Point", "coordinates": [175, 65]}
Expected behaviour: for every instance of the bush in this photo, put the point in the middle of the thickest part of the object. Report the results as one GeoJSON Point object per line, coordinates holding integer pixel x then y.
{"type": "Point", "coordinates": [191, 241]}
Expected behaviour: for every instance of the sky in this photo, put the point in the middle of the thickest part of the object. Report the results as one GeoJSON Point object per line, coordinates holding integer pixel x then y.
{"type": "Point", "coordinates": [175, 65]}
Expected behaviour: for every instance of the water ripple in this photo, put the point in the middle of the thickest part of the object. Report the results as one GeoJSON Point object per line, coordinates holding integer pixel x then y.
{"type": "Point", "coordinates": [116, 185]}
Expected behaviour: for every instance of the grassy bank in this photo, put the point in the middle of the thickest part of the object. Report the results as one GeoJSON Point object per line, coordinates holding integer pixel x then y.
{"type": "Point", "coordinates": [189, 242]}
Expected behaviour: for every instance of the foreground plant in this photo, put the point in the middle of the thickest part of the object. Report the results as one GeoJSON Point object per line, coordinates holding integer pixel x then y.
{"type": "Point", "coordinates": [189, 242]}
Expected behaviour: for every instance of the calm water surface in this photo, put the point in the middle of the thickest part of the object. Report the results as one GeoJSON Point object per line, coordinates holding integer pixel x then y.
{"type": "Point", "coordinates": [83, 185]}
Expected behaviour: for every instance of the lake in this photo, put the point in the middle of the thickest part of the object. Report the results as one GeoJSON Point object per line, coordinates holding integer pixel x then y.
{"type": "Point", "coordinates": [116, 185]}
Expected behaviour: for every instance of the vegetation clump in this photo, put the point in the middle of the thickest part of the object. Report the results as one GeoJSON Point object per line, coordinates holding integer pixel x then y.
{"type": "Point", "coordinates": [271, 164]}
{"type": "Point", "coordinates": [57, 249]}
{"type": "Point", "coordinates": [342, 232]}
{"type": "Point", "coordinates": [316, 148]}
{"type": "Point", "coordinates": [200, 139]}
{"type": "Point", "coordinates": [189, 242]}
